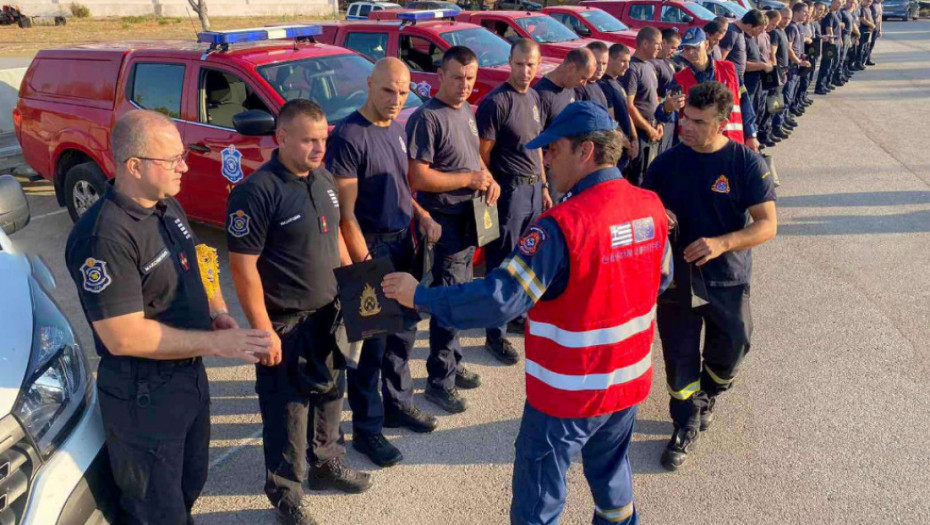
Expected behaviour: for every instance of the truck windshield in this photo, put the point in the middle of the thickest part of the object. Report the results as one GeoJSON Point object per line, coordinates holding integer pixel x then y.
{"type": "Point", "coordinates": [491, 49]}
{"type": "Point", "coordinates": [545, 29]}
{"type": "Point", "coordinates": [701, 12]}
{"type": "Point", "coordinates": [337, 83]}
{"type": "Point", "coordinates": [604, 21]}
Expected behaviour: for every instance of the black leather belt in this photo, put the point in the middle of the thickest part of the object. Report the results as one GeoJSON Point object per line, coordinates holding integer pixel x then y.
{"type": "Point", "coordinates": [523, 180]}
{"type": "Point", "coordinates": [386, 237]}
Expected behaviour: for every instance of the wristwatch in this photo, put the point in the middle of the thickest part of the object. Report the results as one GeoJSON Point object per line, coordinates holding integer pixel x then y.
{"type": "Point", "coordinates": [545, 185]}
{"type": "Point", "coordinates": [214, 315]}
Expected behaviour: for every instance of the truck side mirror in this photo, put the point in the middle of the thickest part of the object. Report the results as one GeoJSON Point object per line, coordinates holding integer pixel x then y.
{"type": "Point", "coordinates": [583, 31]}
{"type": "Point", "coordinates": [14, 208]}
{"type": "Point", "coordinates": [687, 19]}
{"type": "Point", "coordinates": [254, 122]}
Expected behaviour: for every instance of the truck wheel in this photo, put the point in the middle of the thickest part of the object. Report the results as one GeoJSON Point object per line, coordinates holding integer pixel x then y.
{"type": "Point", "coordinates": [84, 185]}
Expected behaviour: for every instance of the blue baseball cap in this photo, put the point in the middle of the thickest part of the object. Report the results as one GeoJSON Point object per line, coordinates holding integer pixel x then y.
{"type": "Point", "coordinates": [694, 37]}
{"type": "Point", "coordinates": [576, 119]}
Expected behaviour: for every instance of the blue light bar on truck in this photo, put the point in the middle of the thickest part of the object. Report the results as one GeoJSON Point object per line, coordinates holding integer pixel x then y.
{"type": "Point", "coordinates": [432, 14]}
{"type": "Point", "coordinates": [258, 34]}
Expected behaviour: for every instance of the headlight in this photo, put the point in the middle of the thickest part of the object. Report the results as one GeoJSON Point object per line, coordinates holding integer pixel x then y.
{"type": "Point", "coordinates": [56, 386]}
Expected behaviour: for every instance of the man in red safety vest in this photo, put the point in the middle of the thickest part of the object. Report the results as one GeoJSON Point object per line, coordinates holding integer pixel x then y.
{"type": "Point", "coordinates": [588, 272]}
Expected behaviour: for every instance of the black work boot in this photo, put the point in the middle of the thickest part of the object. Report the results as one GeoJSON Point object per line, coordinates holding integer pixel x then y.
{"type": "Point", "coordinates": [411, 418]}
{"type": "Point", "coordinates": [378, 449]}
{"type": "Point", "coordinates": [517, 326]}
{"type": "Point", "coordinates": [676, 452]}
{"type": "Point", "coordinates": [447, 399]}
{"type": "Point", "coordinates": [335, 474]}
{"type": "Point", "coordinates": [503, 351]}
{"type": "Point", "coordinates": [466, 379]}
{"type": "Point", "coordinates": [707, 414]}
{"type": "Point", "coordinates": [295, 515]}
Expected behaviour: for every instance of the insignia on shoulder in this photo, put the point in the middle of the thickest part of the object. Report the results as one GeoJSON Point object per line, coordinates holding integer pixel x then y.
{"type": "Point", "coordinates": [238, 224]}
{"type": "Point", "coordinates": [94, 273]}
{"type": "Point", "coordinates": [721, 185]}
{"type": "Point", "coordinates": [369, 305]}
{"type": "Point", "coordinates": [209, 269]}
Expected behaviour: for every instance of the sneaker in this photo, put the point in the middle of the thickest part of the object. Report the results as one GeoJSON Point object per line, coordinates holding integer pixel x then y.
{"type": "Point", "coordinates": [448, 400]}
{"type": "Point", "coordinates": [411, 418]}
{"type": "Point", "coordinates": [295, 515]}
{"type": "Point", "coordinates": [503, 351]}
{"type": "Point", "coordinates": [466, 379]}
{"type": "Point", "coordinates": [676, 452]}
{"type": "Point", "coordinates": [707, 414]}
{"type": "Point", "coordinates": [378, 449]}
{"type": "Point", "coordinates": [335, 474]}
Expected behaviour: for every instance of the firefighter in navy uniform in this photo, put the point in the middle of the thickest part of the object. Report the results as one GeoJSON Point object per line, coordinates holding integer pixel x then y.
{"type": "Point", "coordinates": [711, 186]}
{"type": "Point", "coordinates": [282, 230]}
{"type": "Point", "coordinates": [446, 171]}
{"type": "Point", "coordinates": [588, 347]}
{"type": "Point", "coordinates": [155, 309]}
{"type": "Point", "coordinates": [367, 154]}
{"type": "Point", "coordinates": [508, 117]}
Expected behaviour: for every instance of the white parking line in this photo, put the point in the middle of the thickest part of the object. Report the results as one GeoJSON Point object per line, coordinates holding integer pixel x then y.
{"type": "Point", "coordinates": [251, 440]}
{"type": "Point", "coordinates": [49, 214]}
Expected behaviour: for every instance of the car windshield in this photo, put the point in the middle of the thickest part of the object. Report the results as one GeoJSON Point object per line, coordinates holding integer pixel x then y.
{"type": "Point", "coordinates": [545, 29]}
{"type": "Point", "coordinates": [338, 83]}
{"type": "Point", "coordinates": [604, 21]}
{"type": "Point", "coordinates": [491, 49]}
{"type": "Point", "coordinates": [737, 9]}
{"type": "Point", "coordinates": [701, 11]}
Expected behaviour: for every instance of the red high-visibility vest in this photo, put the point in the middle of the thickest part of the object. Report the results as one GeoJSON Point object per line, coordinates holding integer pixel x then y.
{"type": "Point", "coordinates": [588, 352]}
{"type": "Point", "coordinates": [725, 73]}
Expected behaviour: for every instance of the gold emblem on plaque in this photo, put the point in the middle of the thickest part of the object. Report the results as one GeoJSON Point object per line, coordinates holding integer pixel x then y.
{"type": "Point", "coordinates": [488, 224]}
{"type": "Point", "coordinates": [369, 305]}
{"type": "Point", "coordinates": [209, 269]}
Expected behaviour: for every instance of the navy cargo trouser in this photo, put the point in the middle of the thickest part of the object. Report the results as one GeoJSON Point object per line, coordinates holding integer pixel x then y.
{"type": "Point", "coordinates": [544, 450]}
{"type": "Point", "coordinates": [519, 205]}
{"type": "Point", "coordinates": [452, 257]}
{"type": "Point", "coordinates": [301, 402]}
{"type": "Point", "coordinates": [156, 415]}
{"type": "Point", "coordinates": [825, 75]}
{"type": "Point", "coordinates": [385, 359]}
{"type": "Point", "coordinates": [694, 376]}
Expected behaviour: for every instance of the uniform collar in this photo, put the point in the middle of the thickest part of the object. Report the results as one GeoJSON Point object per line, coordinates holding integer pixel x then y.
{"type": "Point", "coordinates": [281, 171]}
{"type": "Point", "coordinates": [709, 71]}
{"type": "Point", "coordinates": [131, 207]}
{"type": "Point", "coordinates": [592, 179]}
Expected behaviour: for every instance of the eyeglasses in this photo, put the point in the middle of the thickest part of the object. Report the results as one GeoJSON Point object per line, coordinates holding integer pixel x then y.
{"type": "Point", "coordinates": [173, 162]}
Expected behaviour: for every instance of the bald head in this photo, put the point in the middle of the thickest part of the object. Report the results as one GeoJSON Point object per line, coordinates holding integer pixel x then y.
{"type": "Point", "coordinates": [136, 131]}
{"type": "Point", "coordinates": [579, 65]}
{"type": "Point", "coordinates": [388, 89]}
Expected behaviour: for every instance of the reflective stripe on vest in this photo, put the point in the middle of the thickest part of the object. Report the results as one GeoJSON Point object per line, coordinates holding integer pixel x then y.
{"type": "Point", "coordinates": [603, 336]}
{"type": "Point", "coordinates": [591, 381]}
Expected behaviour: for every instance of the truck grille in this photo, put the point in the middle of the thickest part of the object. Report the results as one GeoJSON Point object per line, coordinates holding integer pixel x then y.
{"type": "Point", "coordinates": [18, 460]}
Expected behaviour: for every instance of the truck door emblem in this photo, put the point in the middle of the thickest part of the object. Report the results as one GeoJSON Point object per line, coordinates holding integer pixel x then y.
{"type": "Point", "coordinates": [232, 164]}
{"type": "Point", "coordinates": [423, 89]}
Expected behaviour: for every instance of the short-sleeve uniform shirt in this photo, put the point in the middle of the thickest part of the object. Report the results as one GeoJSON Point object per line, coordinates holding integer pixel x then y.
{"type": "Point", "coordinates": [665, 74]}
{"type": "Point", "coordinates": [780, 39]}
{"type": "Point", "coordinates": [734, 41]}
{"type": "Point", "coordinates": [641, 83]}
{"type": "Point", "coordinates": [292, 224]}
{"type": "Point", "coordinates": [377, 157]}
{"type": "Point", "coordinates": [831, 21]}
{"type": "Point", "coordinates": [511, 119]}
{"type": "Point", "coordinates": [795, 38]}
{"type": "Point", "coordinates": [125, 258]}
{"type": "Point", "coordinates": [616, 100]}
{"type": "Point", "coordinates": [446, 138]}
{"type": "Point", "coordinates": [552, 100]}
{"type": "Point", "coordinates": [711, 193]}
{"type": "Point", "coordinates": [591, 92]}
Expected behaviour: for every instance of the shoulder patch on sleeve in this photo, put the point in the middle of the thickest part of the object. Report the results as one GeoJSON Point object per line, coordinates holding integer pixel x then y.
{"type": "Point", "coordinates": [533, 240]}
{"type": "Point", "coordinates": [95, 276]}
{"type": "Point", "coordinates": [238, 224]}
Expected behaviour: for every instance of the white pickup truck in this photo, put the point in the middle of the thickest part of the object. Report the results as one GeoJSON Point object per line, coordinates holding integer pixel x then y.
{"type": "Point", "coordinates": [54, 468]}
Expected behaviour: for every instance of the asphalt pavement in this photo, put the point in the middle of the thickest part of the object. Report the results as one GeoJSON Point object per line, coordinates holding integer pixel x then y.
{"type": "Point", "coordinates": [827, 423]}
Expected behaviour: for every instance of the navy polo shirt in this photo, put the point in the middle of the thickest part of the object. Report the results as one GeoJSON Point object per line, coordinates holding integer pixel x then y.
{"type": "Point", "coordinates": [734, 41]}
{"type": "Point", "coordinates": [125, 258]}
{"type": "Point", "coordinates": [446, 138]}
{"type": "Point", "coordinates": [711, 194]}
{"type": "Point", "coordinates": [511, 119]}
{"type": "Point", "coordinates": [292, 224]}
{"type": "Point", "coordinates": [641, 83]}
{"type": "Point", "coordinates": [377, 157]}
{"type": "Point", "coordinates": [592, 92]}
